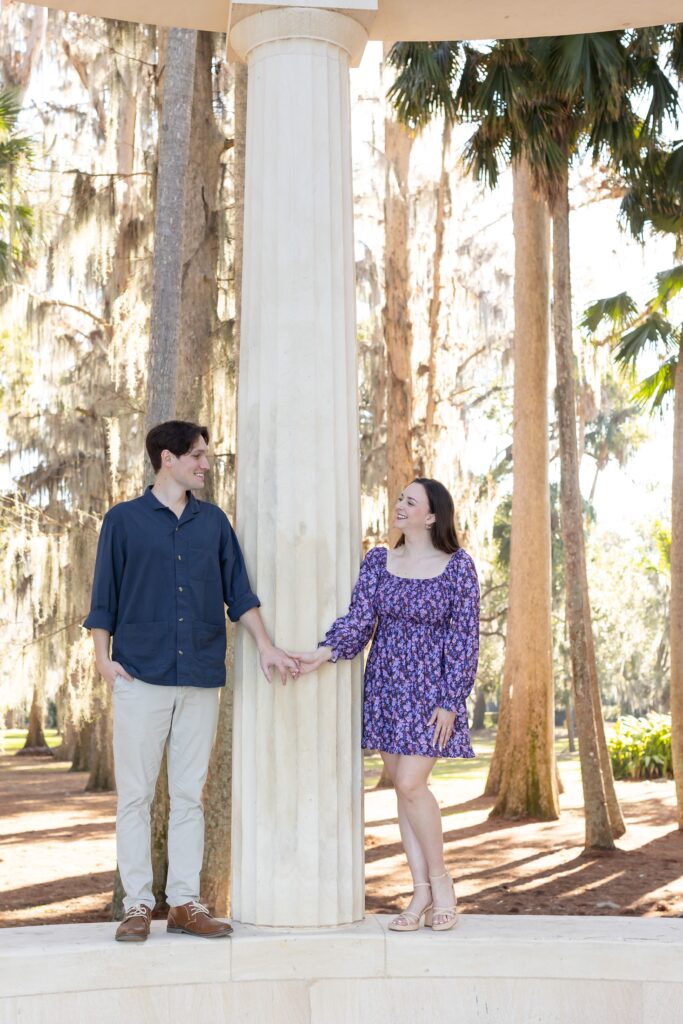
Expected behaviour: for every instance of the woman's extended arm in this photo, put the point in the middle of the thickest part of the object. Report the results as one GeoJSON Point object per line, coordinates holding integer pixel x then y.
{"type": "Point", "coordinates": [349, 634]}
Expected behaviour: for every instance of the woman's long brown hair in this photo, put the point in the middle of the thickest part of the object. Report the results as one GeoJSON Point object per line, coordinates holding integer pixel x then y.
{"type": "Point", "coordinates": [444, 536]}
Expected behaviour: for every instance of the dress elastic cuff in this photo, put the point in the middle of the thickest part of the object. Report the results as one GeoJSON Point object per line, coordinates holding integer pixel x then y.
{"type": "Point", "coordinates": [335, 654]}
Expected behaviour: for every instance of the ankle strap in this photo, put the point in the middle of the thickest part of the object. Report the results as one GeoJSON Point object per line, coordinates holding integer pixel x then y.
{"type": "Point", "coordinates": [416, 885]}
{"type": "Point", "coordinates": [444, 875]}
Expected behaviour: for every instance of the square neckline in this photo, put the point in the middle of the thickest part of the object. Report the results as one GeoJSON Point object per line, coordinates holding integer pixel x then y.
{"type": "Point", "coordinates": [419, 579]}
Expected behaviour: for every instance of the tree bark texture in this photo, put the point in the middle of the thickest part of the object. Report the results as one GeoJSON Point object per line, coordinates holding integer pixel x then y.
{"type": "Point", "coordinates": [215, 880]}
{"type": "Point", "coordinates": [82, 751]}
{"type": "Point", "coordinates": [676, 606]}
{"type": "Point", "coordinates": [398, 329]}
{"type": "Point", "coordinates": [196, 302]}
{"type": "Point", "coordinates": [35, 737]}
{"type": "Point", "coordinates": [442, 207]}
{"type": "Point", "coordinates": [479, 709]}
{"type": "Point", "coordinates": [169, 252]}
{"type": "Point", "coordinates": [169, 228]}
{"type": "Point", "coordinates": [101, 779]}
{"type": "Point", "coordinates": [528, 780]}
{"type": "Point", "coordinates": [492, 787]}
{"type": "Point", "coordinates": [588, 717]}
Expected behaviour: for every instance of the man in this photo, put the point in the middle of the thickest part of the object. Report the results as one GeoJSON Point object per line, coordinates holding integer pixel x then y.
{"type": "Point", "coordinates": [166, 565]}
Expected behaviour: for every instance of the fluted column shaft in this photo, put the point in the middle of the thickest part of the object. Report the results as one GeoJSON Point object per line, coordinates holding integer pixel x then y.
{"type": "Point", "coordinates": [297, 771]}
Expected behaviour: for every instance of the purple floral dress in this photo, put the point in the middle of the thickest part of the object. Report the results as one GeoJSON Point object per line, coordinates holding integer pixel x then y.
{"type": "Point", "coordinates": [424, 653]}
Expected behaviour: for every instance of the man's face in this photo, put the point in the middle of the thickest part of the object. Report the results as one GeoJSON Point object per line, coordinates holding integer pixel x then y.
{"type": "Point", "coordinates": [188, 470]}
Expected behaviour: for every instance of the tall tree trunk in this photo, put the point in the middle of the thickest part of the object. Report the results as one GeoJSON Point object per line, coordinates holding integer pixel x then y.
{"type": "Point", "coordinates": [569, 721]}
{"type": "Point", "coordinates": [442, 206]}
{"type": "Point", "coordinates": [528, 783]}
{"type": "Point", "coordinates": [35, 737]}
{"type": "Point", "coordinates": [398, 329]}
{"type": "Point", "coordinates": [101, 779]}
{"type": "Point", "coordinates": [492, 787]}
{"type": "Point", "coordinates": [384, 781]}
{"type": "Point", "coordinates": [82, 750]}
{"type": "Point", "coordinates": [215, 881]}
{"type": "Point", "coordinates": [676, 607]}
{"type": "Point", "coordinates": [479, 709]}
{"type": "Point", "coordinates": [588, 716]}
{"type": "Point", "coordinates": [169, 225]}
{"type": "Point", "coordinates": [169, 251]}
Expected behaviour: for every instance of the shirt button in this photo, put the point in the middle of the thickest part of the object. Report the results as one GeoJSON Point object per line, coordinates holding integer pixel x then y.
{"type": "Point", "coordinates": [177, 528]}
{"type": "Point", "coordinates": [180, 558]}
{"type": "Point", "coordinates": [180, 589]}
{"type": "Point", "coordinates": [180, 619]}
{"type": "Point", "coordinates": [180, 652]}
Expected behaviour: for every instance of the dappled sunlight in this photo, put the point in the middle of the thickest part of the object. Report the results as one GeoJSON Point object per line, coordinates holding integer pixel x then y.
{"type": "Point", "coordinates": [537, 867]}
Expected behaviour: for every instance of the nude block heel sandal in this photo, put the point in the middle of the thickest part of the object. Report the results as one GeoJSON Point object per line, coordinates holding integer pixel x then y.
{"type": "Point", "coordinates": [450, 913]}
{"type": "Point", "coordinates": [412, 920]}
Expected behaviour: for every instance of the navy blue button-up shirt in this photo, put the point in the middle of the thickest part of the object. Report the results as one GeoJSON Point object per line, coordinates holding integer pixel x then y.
{"type": "Point", "coordinates": [160, 587]}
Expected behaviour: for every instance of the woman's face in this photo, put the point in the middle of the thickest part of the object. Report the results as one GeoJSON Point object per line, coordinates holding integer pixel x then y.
{"type": "Point", "coordinates": [411, 512]}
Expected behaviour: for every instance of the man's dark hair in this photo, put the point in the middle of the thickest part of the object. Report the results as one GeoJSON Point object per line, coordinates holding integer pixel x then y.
{"type": "Point", "coordinates": [177, 436]}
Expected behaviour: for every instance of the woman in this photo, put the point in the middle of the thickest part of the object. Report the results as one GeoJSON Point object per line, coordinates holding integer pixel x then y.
{"type": "Point", "coordinates": [423, 597]}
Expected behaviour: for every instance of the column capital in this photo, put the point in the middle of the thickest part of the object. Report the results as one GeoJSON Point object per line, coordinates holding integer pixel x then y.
{"type": "Point", "coordinates": [312, 23]}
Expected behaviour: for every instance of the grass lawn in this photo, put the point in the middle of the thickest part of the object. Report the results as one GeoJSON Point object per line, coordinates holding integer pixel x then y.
{"type": "Point", "coordinates": [477, 768]}
{"type": "Point", "coordinates": [14, 739]}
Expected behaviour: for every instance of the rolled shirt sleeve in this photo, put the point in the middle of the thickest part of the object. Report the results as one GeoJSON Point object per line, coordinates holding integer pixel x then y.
{"type": "Point", "coordinates": [109, 563]}
{"type": "Point", "coordinates": [237, 592]}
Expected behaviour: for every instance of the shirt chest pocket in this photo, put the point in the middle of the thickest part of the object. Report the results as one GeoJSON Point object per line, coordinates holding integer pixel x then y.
{"type": "Point", "coordinates": [202, 564]}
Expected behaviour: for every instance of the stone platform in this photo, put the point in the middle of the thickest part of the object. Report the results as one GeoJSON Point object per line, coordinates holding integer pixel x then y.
{"type": "Point", "coordinates": [489, 970]}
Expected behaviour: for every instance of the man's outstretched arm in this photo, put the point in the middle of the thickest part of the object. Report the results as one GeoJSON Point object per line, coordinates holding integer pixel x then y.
{"type": "Point", "coordinates": [272, 657]}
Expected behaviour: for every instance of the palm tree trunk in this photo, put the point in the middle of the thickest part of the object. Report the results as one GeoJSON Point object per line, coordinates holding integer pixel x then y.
{"type": "Point", "coordinates": [588, 716]}
{"type": "Point", "coordinates": [442, 204]}
{"type": "Point", "coordinates": [676, 613]}
{"type": "Point", "coordinates": [528, 778]}
{"type": "Point", "coordinates": [398, 329]}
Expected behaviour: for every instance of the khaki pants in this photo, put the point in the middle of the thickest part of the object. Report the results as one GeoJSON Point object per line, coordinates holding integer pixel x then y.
{"type": "Point", "coordinates": [146, 718]}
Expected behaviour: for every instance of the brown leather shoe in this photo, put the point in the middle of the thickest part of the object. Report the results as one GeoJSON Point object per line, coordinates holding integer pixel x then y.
{"type": "Point", "coordinates": [135, 925]}
{"type": "Point", "coordinates": [195, 919]}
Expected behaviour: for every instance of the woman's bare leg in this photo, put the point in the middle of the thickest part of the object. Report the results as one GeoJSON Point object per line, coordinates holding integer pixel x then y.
{"type": "Point", "coordinates": [414, 855]}
{"type": "Point", "coordinates": [424, 819]}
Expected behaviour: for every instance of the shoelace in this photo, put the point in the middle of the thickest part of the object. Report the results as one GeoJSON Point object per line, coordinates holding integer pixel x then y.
{"type": "Point", "coordinates": [139, 911]}
{"type": "Point", "coordinates": [198, 908]}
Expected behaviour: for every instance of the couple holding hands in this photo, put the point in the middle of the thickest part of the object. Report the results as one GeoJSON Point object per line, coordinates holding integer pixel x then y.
{"type": "Point", "coordinates": [167, 565]}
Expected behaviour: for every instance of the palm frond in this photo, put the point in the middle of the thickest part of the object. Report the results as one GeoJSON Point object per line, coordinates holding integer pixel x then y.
{"type": "Point", "coordinates": [655, 332]}
{"type": "Point", "coordinates": [654, 389]}
{"type": "Point", "coordinates": [617, 311]}
{"type": "Point", "coordinates": [423, 87]}
{"type": "Point", "coordinates": [669, 284]}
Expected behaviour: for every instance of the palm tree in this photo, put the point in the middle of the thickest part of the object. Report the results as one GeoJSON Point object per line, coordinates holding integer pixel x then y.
{"type": "Point", "coordinates": [16, 217]}
{"type": "Point", "coordinates": [442, 78]}
{"type": "Point", "coordinates": [637, 333]}
{"type": "Point", "coordinates": [572, 91]}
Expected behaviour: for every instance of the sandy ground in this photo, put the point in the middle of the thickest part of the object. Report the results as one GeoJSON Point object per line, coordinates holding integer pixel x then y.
{"type": "Point", "coordinates": [57, 851]}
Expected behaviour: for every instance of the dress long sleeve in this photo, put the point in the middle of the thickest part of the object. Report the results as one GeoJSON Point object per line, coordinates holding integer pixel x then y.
{"type": "Point", "coordinates": [349, 634]}
{"type": "Point", "coordinates": [461, 648]}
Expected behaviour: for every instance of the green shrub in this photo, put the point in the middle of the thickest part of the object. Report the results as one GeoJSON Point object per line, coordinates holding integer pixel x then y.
{"type": "Point", "coordinates": [640, 748]}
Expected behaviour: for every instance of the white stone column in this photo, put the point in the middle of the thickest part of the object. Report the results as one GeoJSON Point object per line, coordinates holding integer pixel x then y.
{"type": "Point", "coordinates": [297, 842]}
